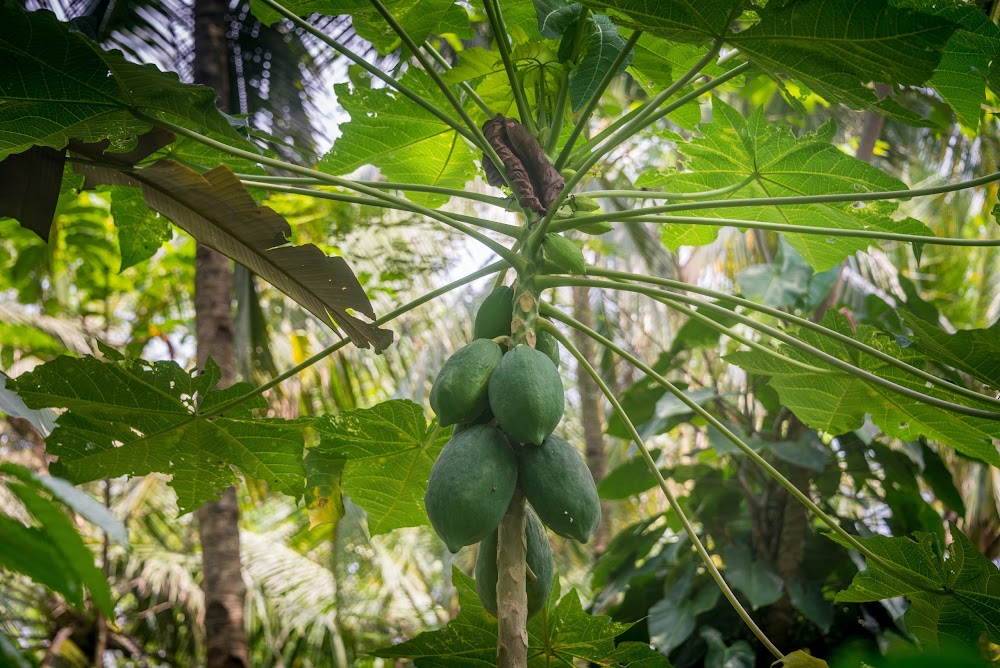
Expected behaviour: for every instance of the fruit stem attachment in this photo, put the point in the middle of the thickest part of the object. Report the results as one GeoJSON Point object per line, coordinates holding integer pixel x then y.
{"type": "Point", "coordinates": [505, 341]}
{"type": "Point", "coordinates": [522, 324]}
{"type": "Point", "coordinates": [512, 593]}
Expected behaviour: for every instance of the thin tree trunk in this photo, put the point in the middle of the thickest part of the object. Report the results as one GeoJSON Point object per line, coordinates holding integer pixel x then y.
{"type": "Point", "coordinates": [218, 521]}
{"type": "Point", "coordinates": [591, 411]}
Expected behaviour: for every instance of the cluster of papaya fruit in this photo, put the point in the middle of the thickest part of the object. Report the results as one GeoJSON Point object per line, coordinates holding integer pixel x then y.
{"type": "Point", "coordinates": [505, 405]}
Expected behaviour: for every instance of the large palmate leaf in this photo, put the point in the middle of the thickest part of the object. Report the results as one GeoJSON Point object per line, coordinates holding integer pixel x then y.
{"type": "Point", "coordinates": [56, 85]}
{"type": "Point", "coordinates": [218, 211]}
{"type": "Point", "coordinates": [419, 18]}
{"type": "Point", "coordinates": [733, 149]}
{"type": "Point", "coordinates": [961, 75]}
{"type": "Point", "coordinates": [561, 635]}
{"type": "Point", "coordinates": [657, 62]}
{"type": "Point", "coordinates": [952, 600]}
{"type": "Point", "coordinates": [130, 417]}
{"type": "Point", "coordinates": [837, 47]}
{"type": "Point", "coordinates": [399, 137]}
{"type": "Point", "coordinates": [389, 449]}
{"type": "Point", "coordinates": [837, 402]}
{"type": "Point", "coordinates": [972, 351]}
{"type": "Point", "coordinates": [675, 20]}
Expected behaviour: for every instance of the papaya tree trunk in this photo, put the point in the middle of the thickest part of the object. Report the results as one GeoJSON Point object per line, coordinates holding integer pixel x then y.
{"type": "Point", "coordinates": [591, 412]}
{"type": "Point", "coordinates": [218, 521]}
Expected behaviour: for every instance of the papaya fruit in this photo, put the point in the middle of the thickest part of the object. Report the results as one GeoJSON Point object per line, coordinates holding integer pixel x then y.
{"type": "Point", "coordinates": [470, 486]}
{"type": "Point", "coordinates": [538, 558]}
{"type": "Point", "coordinates": [548, 345]}
{"type": "Point", "coordinates": [494, 316]}
{"type": "Point", "coordinates": [461, 390]}
{"type": "Point", "coordinates": [559, 486]}
{"type": "Point", "coordinates": [598, 228]}
{"type": "Point", "coordinates": [526, 395]}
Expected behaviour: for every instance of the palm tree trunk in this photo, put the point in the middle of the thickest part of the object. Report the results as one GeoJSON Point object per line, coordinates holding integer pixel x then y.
{"type": "Point", "coordinates": [218, 521]}
{"type": "Point", "coordinates": [591, 411]}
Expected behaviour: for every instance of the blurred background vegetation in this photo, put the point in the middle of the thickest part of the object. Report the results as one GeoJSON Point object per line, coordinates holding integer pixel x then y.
{"type": "Point", "coordinates": [327, 595]}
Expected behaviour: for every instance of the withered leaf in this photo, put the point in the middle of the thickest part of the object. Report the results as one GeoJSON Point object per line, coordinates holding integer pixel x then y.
{"type": "Point", "coordinates": [216, 209]}
{"type": "Point", "coordinates": [535, 179]}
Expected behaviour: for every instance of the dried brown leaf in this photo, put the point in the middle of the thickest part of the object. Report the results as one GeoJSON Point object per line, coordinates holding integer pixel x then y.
{"type": "Point", "coordinates": [216, 209]}
{"type": "Point", "coordinates": [535, 179]}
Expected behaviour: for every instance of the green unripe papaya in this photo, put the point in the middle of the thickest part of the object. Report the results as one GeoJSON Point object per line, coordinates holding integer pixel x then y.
{"type": "Point", "coordinates": [460, 391]}
{"type": "Point", "coordinates": [538, 558]}
{"type": "Point", "coordinates": [494, 316]}
{"type": "Point", "coordinates": [548, 345]}
{"type": "Point", "coordinates": [559, 486]}
{"type": "Point", "coordinates": [598, 228]}
{"type": "Point", "coordinates": [526, 395]}
{"type": "Point", "coordinates": [470, 486]}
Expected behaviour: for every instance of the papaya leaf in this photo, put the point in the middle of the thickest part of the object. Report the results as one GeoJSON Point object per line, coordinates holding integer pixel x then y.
{"type": "Point", "coordinates": [324, 491]}
{"type": "Point", "coordinates": [838, 402]}
{"type": "Point", "coordinates": [733, 148]}
{"type": "Point", "coordinates": [954, 596]}
{"type": "Point", "coordinates": [57, 85]}
{"type": "Point", "coordinates": [44, 421]}
{"type": "Point", "coordinates": [972, 351]}
{"type": "Point", "coordinates": [390, 449]}
{"type": "Point", "coordinates": [562, 634]}
{"type": "Point", "coordinates": [402, 139]}
{"type": "Point", "coordinates": [470, 639]}
{"type": "Point", "coordinates": [960, 78]}
{"type": "Point", "coordinates": [420, 18]}
{"type": "Point", "coordinates": [695, 21]}
{"type": "Point", "coordinates": [218, 211]}
{"type": "Point", "coordinates": [837, 47]}
{"type": "Point", "coordinates": [656, 63]}
{"type": "Point", "coordinates": [130, 417]}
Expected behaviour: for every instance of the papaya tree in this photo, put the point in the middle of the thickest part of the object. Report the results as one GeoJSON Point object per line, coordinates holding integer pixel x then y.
{"type": "Point", "coordinates": [520, 115]}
